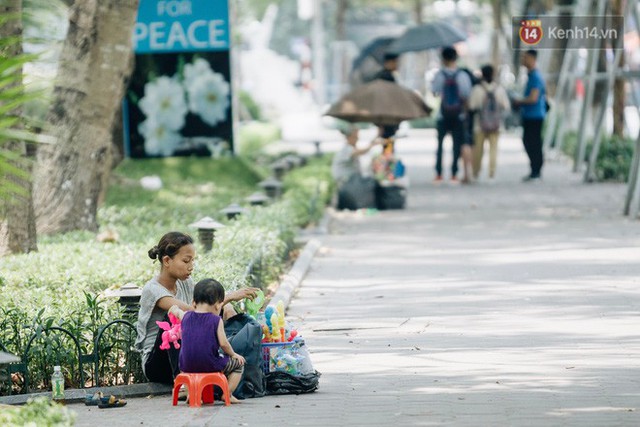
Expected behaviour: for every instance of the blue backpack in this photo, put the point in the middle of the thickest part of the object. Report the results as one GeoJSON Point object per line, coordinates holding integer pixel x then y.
{"type": "Point", "coordinates": [451, 104]}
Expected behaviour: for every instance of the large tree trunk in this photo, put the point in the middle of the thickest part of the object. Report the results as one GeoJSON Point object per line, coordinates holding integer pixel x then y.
{"type": "Point", "coordinates": [18, 232]}
{"type": "Point", "coordinates": [93, 65]}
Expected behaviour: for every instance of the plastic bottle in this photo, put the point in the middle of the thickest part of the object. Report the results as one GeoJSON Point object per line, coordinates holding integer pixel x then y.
{"type": "Point", "coordinates": [57, 385]}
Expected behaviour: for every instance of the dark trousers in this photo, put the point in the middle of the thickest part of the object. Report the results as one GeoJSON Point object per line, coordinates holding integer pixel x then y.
{"type": "Point", "coordinates": [162, 365]}
{"type": "Point", "coordinates": [532, 140]}
{"type": "Point", "coordinates": [457, 128]}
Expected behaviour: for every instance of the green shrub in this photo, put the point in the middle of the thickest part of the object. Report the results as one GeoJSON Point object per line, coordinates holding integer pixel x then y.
{"type": "Point", "coordinates": [253, 137]}
{"type": "Point", "coordinates": [614, 157]}
{"type": "Point", "coordinates": [40, 412]}
{"type": "Point", "coordinates": [62, 284]}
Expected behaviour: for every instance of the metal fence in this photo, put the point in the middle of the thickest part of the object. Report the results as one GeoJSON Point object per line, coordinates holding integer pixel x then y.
{"type": "Point", "coordinates": [113, 361]}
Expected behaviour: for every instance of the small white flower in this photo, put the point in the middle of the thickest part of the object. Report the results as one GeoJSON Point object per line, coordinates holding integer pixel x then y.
{"type": "Point", "coordinates": [200, 67]}
{"type": "Point", "coordinates": [209, 97]}
{"type": "Point", "coordinates": [164, 101]}
{"type": "Point", "coordinates": [159, 139]}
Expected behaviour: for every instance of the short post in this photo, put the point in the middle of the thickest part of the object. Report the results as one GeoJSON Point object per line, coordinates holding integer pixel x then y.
{"type": "Point", "coordinates": [257, 199]}
{"type": "Point", "coordinates": [318, 151]}
{"type": "Point", "coordinates": [129, 297]}
{"type": "Point", "coordinates": [272, 187]}
{"type": "Point", "coordinates": [233, 211]}
{"type": "Point", "coordinates": [206, 231]}
{"type": "Point", "coordinates": [279, 168]}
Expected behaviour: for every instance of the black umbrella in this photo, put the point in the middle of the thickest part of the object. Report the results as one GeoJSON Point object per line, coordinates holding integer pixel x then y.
{"type": "Point", "coordinates": [375, 49]}
{"type": "Point", "coordinates": [379, 102]}
{"type": "Point", "coordinates": [427, 36]}
{"type": "Point", "coordinates": [369, 62]}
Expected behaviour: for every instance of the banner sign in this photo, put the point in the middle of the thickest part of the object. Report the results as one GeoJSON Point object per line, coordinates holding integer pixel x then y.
{"type": "Point", "coordinates": [179, 98]}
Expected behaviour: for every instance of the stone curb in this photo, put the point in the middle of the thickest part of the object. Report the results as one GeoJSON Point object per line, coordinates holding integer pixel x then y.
{"type": "Point", "coordinates": [292, 280]}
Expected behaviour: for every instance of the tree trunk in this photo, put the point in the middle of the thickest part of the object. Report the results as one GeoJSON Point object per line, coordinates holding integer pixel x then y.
{"type": "Point", "coordinates": [341, 17]}
{"type": "Point", "coordinates": [417, 11]}
{"type": "Point", "coordinates": [18, 233]}
{"type": "Point", "coordinates": [618, 86]}
{"type": "Point", "coordinates": [559, 50]}
{"type": "Point", "coordinates": [496, 6]}
{"type": "Point", "coordinates": [90, 84]}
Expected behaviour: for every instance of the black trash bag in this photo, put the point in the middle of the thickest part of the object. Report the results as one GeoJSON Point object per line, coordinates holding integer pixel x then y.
{"type": "Point", "coordinates": [245, 335]}
{"type": "Point", "coordinates": [279, 382]}
{"type": "Point", "coordinates": [391, 197]}
{"type": "Point", "coordinates": [357, 193]}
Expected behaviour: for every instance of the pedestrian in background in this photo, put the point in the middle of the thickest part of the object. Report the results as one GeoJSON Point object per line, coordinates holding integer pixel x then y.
{"type": "Point", "coordinates": [453, 86]}
{"type": "Point", "coordinates": [489, 102]}
{"type": "Point", "coordinates": [533, 109]}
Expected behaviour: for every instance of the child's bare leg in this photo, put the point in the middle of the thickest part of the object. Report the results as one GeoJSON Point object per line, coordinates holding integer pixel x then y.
{"type": "Point", "coordinates": [233, 379]}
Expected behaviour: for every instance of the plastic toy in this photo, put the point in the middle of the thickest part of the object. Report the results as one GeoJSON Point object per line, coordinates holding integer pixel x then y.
{"type": "Point", "coordinates": [254, 305]}
{"type": "Point", "coordinates": [292, 335]}
{"type": "Point", "coordinates": [172, 332]}
{"type": "Point", "coordinates": [266, 333]}
{"type": "Point", "coordinates": [281, 321]}
{"type": "Point", "coordinates": [268, 312]}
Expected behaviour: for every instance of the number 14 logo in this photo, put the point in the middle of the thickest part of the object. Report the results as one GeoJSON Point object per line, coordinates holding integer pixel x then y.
{"type": "Point", "coordinates": [531, 32]}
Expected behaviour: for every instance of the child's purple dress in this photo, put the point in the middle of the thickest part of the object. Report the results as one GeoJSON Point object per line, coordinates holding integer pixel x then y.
{"type": "Point", "coordinates": [200, 348]}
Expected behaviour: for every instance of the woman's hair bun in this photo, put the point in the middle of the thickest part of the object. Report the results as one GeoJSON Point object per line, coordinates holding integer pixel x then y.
{"type": "Point", "coordinates": [153, 252]}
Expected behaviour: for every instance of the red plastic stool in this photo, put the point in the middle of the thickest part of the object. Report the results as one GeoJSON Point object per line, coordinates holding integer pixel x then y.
{"type": "Point", "coordinates": [200, 387]}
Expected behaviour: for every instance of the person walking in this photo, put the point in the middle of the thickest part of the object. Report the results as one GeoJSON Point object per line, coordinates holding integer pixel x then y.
{"type": "Point", "coordinates": [533, 109]}
{"type": "Point", "coordinates": [489, 102]}
{"type": "Point", "coordinates": [453, 86]}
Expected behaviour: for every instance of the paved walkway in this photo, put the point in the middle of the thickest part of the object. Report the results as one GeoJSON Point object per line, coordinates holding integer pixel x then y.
{"type": "Point", "coordinates": [504, 304]}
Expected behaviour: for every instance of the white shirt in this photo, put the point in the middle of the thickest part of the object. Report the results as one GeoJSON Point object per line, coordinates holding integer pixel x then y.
{"type": "Point", "coordinates": [477, 97]}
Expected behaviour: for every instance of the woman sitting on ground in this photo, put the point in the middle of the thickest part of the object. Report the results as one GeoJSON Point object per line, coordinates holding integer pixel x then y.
{"type": "Point", "coordinates": [173, 286]}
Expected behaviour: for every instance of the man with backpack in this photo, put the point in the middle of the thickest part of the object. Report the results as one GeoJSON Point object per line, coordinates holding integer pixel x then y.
{"type": "Point", "coordinates": [489, 102]}
{"type": "Point", "coordinates": [453, 86]}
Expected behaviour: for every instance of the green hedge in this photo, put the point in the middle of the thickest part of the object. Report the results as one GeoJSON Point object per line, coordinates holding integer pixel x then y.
{"type": "Point", "coordinates": [614, 158]}
{"type": "Point", "coordinates": [61, 284]}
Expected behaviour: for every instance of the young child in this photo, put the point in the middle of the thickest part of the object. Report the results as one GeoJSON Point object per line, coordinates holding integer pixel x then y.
{"type": "Point", "coordinates": [203, 335]}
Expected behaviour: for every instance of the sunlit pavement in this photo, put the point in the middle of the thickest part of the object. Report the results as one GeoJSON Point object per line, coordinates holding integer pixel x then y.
{"type": "Point", "coordinates": [492, 304]}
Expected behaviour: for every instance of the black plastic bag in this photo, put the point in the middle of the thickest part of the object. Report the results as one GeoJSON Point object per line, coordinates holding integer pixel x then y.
{"type": "Point", "coordinates": [245, 334]}
{"type": "Point", "coordinates": [279, 382]}
{"type": "Point", "coordinates": [391, 197]}
{"type": "Point", "coordinates": [357, 193]}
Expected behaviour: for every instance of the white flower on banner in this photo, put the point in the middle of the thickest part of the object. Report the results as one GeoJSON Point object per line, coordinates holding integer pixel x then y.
{"type": "Point", "coordinates": [159, 139]}
{"type": "Point", "coordinates": [209, 97]}
{"type": "Point", "coordinates": [165, 103]}
{"type": "Point", "coordinates": [198, 68]}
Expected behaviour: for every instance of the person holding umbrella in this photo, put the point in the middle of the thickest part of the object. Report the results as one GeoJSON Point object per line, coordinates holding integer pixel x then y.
{"type": "Point", "coordinates": [453, 87]}
{"type": "Point", "coordinates": [388, 73]}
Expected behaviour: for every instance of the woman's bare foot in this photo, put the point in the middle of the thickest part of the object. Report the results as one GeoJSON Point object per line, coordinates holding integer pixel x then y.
{"type": "Point", "coordinates": [232, 399]}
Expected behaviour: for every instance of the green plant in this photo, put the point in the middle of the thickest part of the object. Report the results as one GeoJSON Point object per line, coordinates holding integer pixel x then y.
{"type": "Point", "coordinates": [252, 107]}
{"type": "Point", "coordinates": [41, 412]}
{"type": "Point", "coordinates": [253, 137]}
{"type": "Point", "coordinates": [63, 282]}
{"type": "Point", "coordinates": [614, 157]}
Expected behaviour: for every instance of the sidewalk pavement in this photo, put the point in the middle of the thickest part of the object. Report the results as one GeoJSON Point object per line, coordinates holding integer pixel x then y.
{"type": "Point", "coordinates": [503, 304]}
